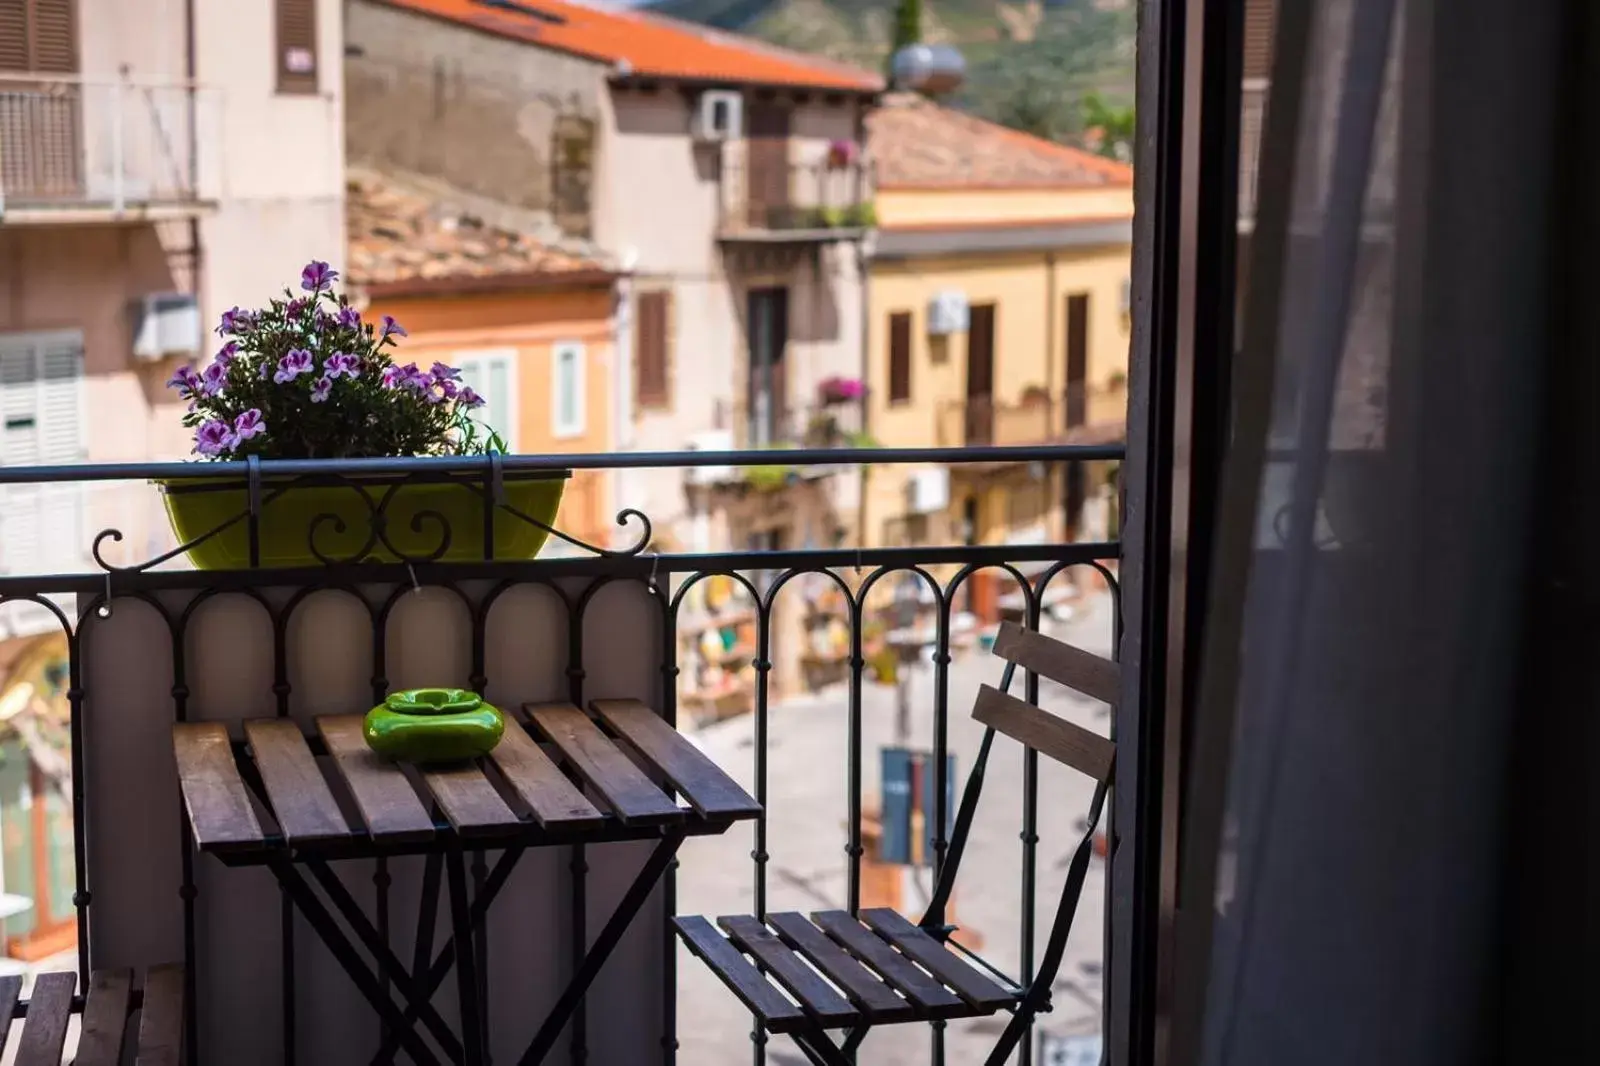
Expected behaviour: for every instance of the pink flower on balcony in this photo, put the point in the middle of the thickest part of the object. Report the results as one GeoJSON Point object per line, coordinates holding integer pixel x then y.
{"type": "Point", "coordinates": [839, 390]}
{"type": "Point", "coordinates": [235, 320]}
{"type": "Point", "coordinates": [213, 380]}
{"type": "Point", "coordinates": [248, 425]}
{"type": "Point", "coordinates": [214, 438]}
{"type": "Point", "coordinates": [318, 276]}
{"type": "Point", "coordinates": [185, 380]}
{"type": "Point", "coordinates": [340, 364]}
{"type": "Point", "coordinates": [841, 154]}
{"type": "Point", "coordinates": [292, 365]}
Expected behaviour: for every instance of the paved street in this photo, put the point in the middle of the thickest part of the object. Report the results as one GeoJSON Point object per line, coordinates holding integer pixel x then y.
{"type": "Point", "coordinates": [807, 805]}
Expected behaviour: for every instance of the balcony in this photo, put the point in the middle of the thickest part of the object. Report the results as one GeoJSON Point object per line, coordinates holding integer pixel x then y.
{"type": "Point", "coordinates": [792, 203]}
{"type": "Point", "coordinates": [1079, 416]}
{"type": "Point", "coordinates": [73, 150]}
{"type": "Point", "coordinates": [764, 424]}
{"type": "Point", "coordinates": [146, 647]}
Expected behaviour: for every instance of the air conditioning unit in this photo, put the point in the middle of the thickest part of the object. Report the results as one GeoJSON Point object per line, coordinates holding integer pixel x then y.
{"type": "Point", "coordinates": [720, 116]}
{"type": "Point", "coordinates": [714, 440]}
{"type": "Point", "coordinates": [166, 324]}
{"type": "Point", "coordinates": [928, 490]}
{"type": "Point", "coordinates": [947, 313]}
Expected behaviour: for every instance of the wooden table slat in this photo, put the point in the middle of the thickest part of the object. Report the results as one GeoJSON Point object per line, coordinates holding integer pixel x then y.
{"type": "Point", "coordinates": [161, 1019]}
{"type": "Point", "coordinates": [897, 970]}
{"type": "Point", "coordinates": [45, 1030]}
{"type": "Point", "coordinates": [706, 786]}
{"type": "Point", "coordinates": [878, 1002]}
{"type": "Point", "coordinates": [389, 806]}
{"type": "Point", "coordinates": [741, 977]}
{"type": "Point", "coordinates": [972, 986]}
{"type": "Point", "coordinates": [214, 794]}
{"type": "Point", "coordinates": [296, 790]}
{"type": "Point", "coordinates": [105, 1018]}
{"type": "Point", "coordinates": [10, 992]}
{"type": "Point", "coordinates": [632, 796]}
{"type": "Point", "coordinates": [819, 999]}
{"type": "Point", "coordinates": [468, 798]}
{"type": "Point", "coordinates": [555, 801]}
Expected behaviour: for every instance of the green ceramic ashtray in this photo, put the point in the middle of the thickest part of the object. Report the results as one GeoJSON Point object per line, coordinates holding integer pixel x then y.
{"type": "Point", "coordinates": [426, 725]}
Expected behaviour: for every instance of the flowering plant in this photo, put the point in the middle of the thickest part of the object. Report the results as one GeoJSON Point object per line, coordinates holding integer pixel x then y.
{"type": "Point", "coordinates": [838, 390]}
{"type": "Point", "coordinates": [306, 378]}
{"type": "Point", "coordinates": [841, 154]}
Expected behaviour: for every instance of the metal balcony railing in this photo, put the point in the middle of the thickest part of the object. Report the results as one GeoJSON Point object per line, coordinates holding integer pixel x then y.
{"type": "Point", "coordinates": [1080, 415]}
{"type": "Point", "coordinates": [113, 147]}
{"type": "Point", "coordinates": [145, 646]}
{"type": "Point", "coordinates": [822, 199]}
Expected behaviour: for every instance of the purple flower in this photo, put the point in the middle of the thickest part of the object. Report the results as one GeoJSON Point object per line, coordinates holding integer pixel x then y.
{"type": "Point", "coordinates": [292, 365]}
{"type": "Point", "coordinates": [468, 398]}
{"type": "Point", "coordinates": [320, 389]}
{"type": "Point", "coordinates": [391, 328]}
{"type": "Point", "coordinates": [440, 391]}
{"type": "Point", "coordinates": [295, 308]}
{"type": "Point", "coordinates": [248, 425]}
{"type": "Point", "coordinates": [445, 373]}
{"type": "Point", "coordinates": [317, 276]}
{"type": "Point", "coordinates": [349, 317]}
{"type": "Point", "coordinates": [340, 364]}
{"type": "Point", "coordinates": [214, 438]}
{"type": "Point", "coordinates": [394, 376]}
{"type": "Point", "coordinates": [213, 380]}
{"type": "Point", "coordinates": [185, 380]}
{"type": "Point", "coordinates": [226, 353]}
{"type": "Point", "coordinates": [235, 320]}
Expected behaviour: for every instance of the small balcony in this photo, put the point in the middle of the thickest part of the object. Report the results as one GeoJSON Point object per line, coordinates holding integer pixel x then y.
{"type": "Point", "coordinates": [322, 944]}
{"type": "Point", "coordinates": [816, 202]}
{"type": "Point", "coordinates": [1081, 415]}
{"type": "Point", "coordinates": [764, 424]}
{"type": "Point", "coordinates": [75, 150]}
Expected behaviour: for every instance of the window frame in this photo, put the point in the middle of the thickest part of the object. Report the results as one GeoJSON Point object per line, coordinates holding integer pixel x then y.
{"type": "Point", "coordinates": [482, 358]}
{"type": "Point", "coordinates": [560, 428]}
{"type": "Point", "coordinates": [901, 399]}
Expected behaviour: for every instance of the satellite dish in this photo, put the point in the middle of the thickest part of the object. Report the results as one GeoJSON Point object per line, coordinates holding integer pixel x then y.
{"type": "Point", "coordinates": [928, 68]}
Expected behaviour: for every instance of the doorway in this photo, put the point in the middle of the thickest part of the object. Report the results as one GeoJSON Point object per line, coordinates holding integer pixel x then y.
{"type": "Point", "coordinates": [767, 165]}
{"type": "Point", "coordinates": [767, 340]}
{"type": "Point", "coordinates": [980, 374]}
{"type": "Point", "coordinates": [1077, 359]}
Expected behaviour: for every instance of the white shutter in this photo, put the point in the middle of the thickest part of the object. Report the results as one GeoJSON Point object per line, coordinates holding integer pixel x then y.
{"type": "Point", "coordinates": [493, 375]}
{"type": "Point", "coordinates": [41, 423]}
{"type": "Point", "coordinates": [60, 402]}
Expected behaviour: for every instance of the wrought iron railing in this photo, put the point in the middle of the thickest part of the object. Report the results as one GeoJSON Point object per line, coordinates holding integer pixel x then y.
{"type": "Point", "coordinates": [861, 585]}
{"type": "Point", "coordinates": [117, 146]}
{"type": "Point", "coordinates": [820, 197]}
{"type": "Point", "coordinates": [1079, 414]}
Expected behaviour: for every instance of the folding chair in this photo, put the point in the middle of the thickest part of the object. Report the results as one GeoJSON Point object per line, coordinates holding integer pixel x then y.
{"type": "Point", "coordinates": [854, 972]}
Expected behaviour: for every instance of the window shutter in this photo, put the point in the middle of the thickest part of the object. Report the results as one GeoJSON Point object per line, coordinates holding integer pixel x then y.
{"type": "Point", "coordinates": [652, 383]}
{"type": "Point", "coordinates": [900, 357]}
{"type": "Point", "coordinates": [297, 46]}
{"type": "Point", "coordinates": [39, 36]}
{"type": "Point", "coordinates": [567, 388]}
{"type": "Point", "coordinates": [41, 423]}
{"type": "Point", "coordinates": [1260, 25]}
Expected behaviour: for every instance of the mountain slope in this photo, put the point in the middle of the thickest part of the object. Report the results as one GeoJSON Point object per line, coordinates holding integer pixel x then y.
{"type": "Point", "coordinates": [1030, 62]}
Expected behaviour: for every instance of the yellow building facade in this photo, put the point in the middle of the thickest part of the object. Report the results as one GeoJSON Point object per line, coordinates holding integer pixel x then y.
{"type": "Point", "coordinates": [998, 315]}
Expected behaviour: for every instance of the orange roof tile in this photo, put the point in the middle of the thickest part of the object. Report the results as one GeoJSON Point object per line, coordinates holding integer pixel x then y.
{"type": "Point", "coordinates": [918, 144]}
{"type": "Point", "coordinates": [648, 45]}
{"type": "Point", "coordinates": [401, 236]}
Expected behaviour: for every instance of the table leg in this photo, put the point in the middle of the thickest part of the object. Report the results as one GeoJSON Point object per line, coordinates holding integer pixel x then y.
{"type": "Point", "coordinates": [328, 930]}
{"type": "Point", "coordinates": [466, 966]}
{"type": "Point", "coordinates": [572, 999]}
{"type": "Point", "coordinates": [440, 967]}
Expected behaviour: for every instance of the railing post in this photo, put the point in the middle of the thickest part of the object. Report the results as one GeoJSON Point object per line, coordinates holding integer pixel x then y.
{"type": "Point", "coordinates": [118, 192]}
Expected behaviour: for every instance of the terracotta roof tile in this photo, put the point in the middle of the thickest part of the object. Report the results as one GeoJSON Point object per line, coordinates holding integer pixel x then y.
{"type": "Point", "coordinates": [650, 45]}
{"type": "Point", "coordinates": [918, 144]}
{"type": "Point", "coordinates": [400, 234]}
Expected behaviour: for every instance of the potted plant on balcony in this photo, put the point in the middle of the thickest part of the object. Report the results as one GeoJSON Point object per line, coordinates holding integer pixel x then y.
{"type": "Point", "coordinates": [306, 378]}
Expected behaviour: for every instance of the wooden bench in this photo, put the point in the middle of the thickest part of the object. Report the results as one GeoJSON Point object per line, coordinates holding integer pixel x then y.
{"type": "Point", "coordinates": [110, 1002]}
{"type": "Point", "coordinates": [837, 971]}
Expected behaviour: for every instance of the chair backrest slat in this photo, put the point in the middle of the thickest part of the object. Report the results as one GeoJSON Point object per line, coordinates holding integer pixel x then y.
{"type": "Point", "coordinates": [1075, 668]}
{"type": "Point", "coordinates": [1064, 741]}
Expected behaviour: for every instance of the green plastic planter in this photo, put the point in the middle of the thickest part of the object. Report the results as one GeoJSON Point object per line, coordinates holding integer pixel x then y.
{"type": "Point", "coordinates": [338, 521]}
{"type": "Point", "coordinates": [428, 725]}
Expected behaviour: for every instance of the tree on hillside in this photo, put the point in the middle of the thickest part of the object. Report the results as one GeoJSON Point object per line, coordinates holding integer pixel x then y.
{"type": "Point", "coordinates": [1109, 129]}
{"type": "Point", "coordinates": [907, 26]}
